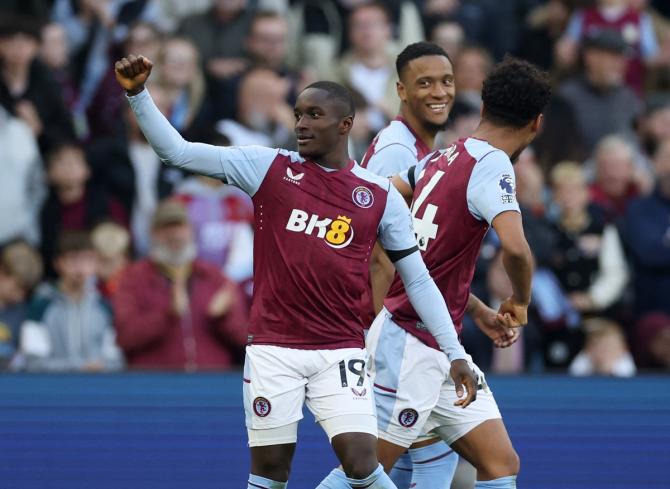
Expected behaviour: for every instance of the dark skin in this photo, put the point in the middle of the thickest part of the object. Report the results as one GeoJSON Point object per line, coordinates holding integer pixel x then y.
{"type": "Point", "coordinates": [322, 127]}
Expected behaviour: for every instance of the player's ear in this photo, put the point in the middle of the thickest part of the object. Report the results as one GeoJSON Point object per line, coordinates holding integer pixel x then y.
{"type": "Point", "coordinates": [402, 92]}
{"type": "Point", "coordinates": [346, 124]}
{"type": "Point", "coordinates": [537, 123]}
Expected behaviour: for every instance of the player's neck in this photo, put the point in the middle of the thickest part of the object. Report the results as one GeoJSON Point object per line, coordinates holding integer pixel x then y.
{"type": "Point", "coordinates": [426, 135]}
{"type": "Point", "coordinates": [335, 160]}
{"type": "Point", "coordinates": [501, 138]}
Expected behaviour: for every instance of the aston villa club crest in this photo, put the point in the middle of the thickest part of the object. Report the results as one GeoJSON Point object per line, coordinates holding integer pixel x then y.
{"type": "Point", "coordinates": [408, 417]}
{"type": "Point", "coordinates": [262, 407]}
{"type": "Point", "coordinates": [362, 197]}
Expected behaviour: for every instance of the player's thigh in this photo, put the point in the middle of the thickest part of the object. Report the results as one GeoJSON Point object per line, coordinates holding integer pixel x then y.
{"type": "Point", "coordinates": [273, 388]}
{"type": "Point", "coordinates": [339, 393]}
{"type": "Point", "coordinates": [453, 421]}
{"type": "Point", "coordinates": [407, 382]}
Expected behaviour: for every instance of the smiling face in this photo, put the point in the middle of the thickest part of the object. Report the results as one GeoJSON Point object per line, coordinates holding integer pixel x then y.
{"type": "Point", "coordinates": [427, 88]}
{"type": "Point", "coordinates": [321, 123]}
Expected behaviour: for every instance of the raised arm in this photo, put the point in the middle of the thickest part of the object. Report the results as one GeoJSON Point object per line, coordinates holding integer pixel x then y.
{"type": "Point", "coordinates": [244, 167]}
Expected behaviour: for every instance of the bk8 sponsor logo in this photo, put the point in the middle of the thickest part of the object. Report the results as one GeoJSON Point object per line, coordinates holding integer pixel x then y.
{"type": "Point", "coordinates": [337, 233]}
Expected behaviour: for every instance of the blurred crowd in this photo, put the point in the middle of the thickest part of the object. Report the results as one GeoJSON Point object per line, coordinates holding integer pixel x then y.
{"type": "Point", "coordinates": [109, 260]}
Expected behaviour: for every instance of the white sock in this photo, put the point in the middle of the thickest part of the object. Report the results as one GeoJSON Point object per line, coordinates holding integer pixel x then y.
{"type": "Point", "coordinates": [258, 482]}
{"type": "Point", "coordinates": [377, 480]}
{"type": "Point", "coordinates": [508, 482]}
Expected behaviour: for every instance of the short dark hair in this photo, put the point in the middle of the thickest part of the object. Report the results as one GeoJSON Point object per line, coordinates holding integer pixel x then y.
{"type": "Point", "coordinates": [337, 92]}
{"type": "Point", "coordinates": [63, 145]}
{"type": "Point", "coordinates": [264, 15]}
{"type": "Point", "coordinates": [515, 93]}
{"type": "Point", "coordinates": [418, 50]}
{"type": "Point", "coordinates": [73, 241]}
{"type": "Point", "coordinates": [14, 24]}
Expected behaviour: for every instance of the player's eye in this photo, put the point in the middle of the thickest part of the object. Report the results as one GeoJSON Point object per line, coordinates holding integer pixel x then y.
{"type": "Point", "coordinates": [296, 115]}
{"type": "Point", "coordinates": [315, 115]}
{"type": "Point", "coordinates": [448, 81]}
{"type": "Point", "coordinates": [424, 84]}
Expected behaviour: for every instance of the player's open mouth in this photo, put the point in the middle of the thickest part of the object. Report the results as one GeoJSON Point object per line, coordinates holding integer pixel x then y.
{"type": "Point", "coordinates": [304, 140]}
{"type": "Point", "coordinates": [437, 108]}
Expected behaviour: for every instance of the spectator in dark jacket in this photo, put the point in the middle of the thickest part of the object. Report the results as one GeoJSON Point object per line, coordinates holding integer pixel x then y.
{"type": "Point", "coordinates": [26, 86]}
{"type": "Point", "coordinates": [646, 232]}
{"type": "Point", "coordinates": [174, 311]}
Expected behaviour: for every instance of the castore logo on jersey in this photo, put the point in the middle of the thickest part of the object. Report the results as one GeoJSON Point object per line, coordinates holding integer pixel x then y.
{"type": "Point", "coordinates": [293, 177]}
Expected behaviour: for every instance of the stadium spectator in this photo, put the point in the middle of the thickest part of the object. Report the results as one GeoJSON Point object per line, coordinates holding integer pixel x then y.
{"type": "Point", "coordinates": [26, 86]}
{"type": "Point", "coordinates": [73, 203]}
{"type": "Point", "coordinates": [107, 103]}
{"type": "Point", "coordinates": [652, 341]}
{"type": "Point", "coordinates": [368, 66]}
{"type": "Point", "coordinates": [183, 84]}
{"type": "Point", "coordinates": [634, 26]}
{"type": "Point", "coordinates": [263, 116]}
{"type": "Point", "coordinates": [54, 53]}
{"type": "Point", "coordinates": [94, 29]}
{"type": "Point", "coordinates": [174, 311]}
{"type": "Point", "coordinates": [605, 351]}
{"type": "Point", "coordinates": [588, 258]}
{"type": "Point", "coordinates": [20, 272]}
{"type": "Point", "coordinates": [69, 325]}
{"type": "Point", "coordinates": [219, 34]}
{"type": "Point", "coordinates": [221, 216]}
{"type": "Point", "coordinates": [655, 125]}
{"type": "Point", "coordinates": [617, 180]}
{"type": "Point", "coordinates": [449, 35]}
{"type": "Point", "coordinates": [646, 233]}
{"type": "Point", "coordinates": [543, 24]}
{"type": "Point", "coordinates": [111, 243]}
{"type": "Point", "coordinates": [600, 101]}
{"type": "Point", "coordinates": [471, 68]}
{"type": "Point", "coordinates": [21, 186]}
{"type": "Point", "coordinates": [130, 171]}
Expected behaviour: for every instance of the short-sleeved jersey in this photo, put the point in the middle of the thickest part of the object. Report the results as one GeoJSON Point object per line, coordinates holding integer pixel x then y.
{"type": "Point", "coordinates": [394, 149]}
{"type": "Point", "coordinates": [457, 194]}
{"type": "Point", "coordinates": [314, 233]}
{"type": "Point", "coordinates": [315, 230]}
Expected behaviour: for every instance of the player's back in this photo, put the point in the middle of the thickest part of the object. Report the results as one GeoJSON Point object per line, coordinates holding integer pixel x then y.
{"type": "Point", "coordinates": [450, 222]}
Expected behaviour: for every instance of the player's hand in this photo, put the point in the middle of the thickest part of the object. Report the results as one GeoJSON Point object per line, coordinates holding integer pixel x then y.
{"type": "Point", "coordinates": [132, 73]}
{"type": "Point", "coordinates": [514, 313]}
{"type": "Point", "coordinates": [465, 382]}
{"type": "Point", "coordinates": [496, 326]}
{"type": "Point", "coordinates": [221, 301]}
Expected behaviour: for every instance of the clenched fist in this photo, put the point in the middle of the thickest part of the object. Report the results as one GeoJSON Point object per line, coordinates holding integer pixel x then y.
{"type": "Point", "coordinates": [132, 73]}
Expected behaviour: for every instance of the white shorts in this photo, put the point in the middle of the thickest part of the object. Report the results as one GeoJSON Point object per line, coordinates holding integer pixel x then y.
{"type": "Point", "coordinates": [413, 390]}
{"type": "Point", "coordinates": [333, 384]}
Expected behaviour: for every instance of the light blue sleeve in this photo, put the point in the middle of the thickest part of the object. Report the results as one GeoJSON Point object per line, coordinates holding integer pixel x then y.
{"type": "Point", "coordinates": [648, 41]}
{"type": "Point", "coordinates": [417, 170]}
{"type": "Point", "coordinates": [429, 304]}
{"type": "Point", "coordinates": [492, 187]}
{"type": "Point", "coordinates": [575, 26]}
{"type": "Point", "coordinates": [391, 160]}
{"type": "Point", "coordinates": [245, 167]}
{"type": "Point", "coordinates": [396, 229]}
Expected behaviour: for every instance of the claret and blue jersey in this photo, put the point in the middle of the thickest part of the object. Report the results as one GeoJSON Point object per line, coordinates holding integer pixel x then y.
{"type": "Point", "coordinates": [314, 233]}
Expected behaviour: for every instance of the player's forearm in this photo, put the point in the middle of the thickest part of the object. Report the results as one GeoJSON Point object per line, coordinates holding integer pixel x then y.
{"type": "Point", "coordinates": [429, 304]}
{"type": "Point", "coordinates": [518, 264]}
{"type": "Point", "coordinates": [168, 144]}
{"type": "Point", "coordinates": [474, 305]}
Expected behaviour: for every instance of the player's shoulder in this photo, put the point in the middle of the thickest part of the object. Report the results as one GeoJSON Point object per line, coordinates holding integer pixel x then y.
{"type": "Point", "coordinates": [480, 150]}
{"type": "Point", "coordinates": [382, 183]}
{"type": "Point", "coordinates": [398, 135]}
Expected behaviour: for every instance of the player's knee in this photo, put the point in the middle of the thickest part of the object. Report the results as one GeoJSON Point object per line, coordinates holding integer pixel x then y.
{"type": "Point", "coordinates": [506, 463]}
{"type": "Point", "coordinates": [360, 462]}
